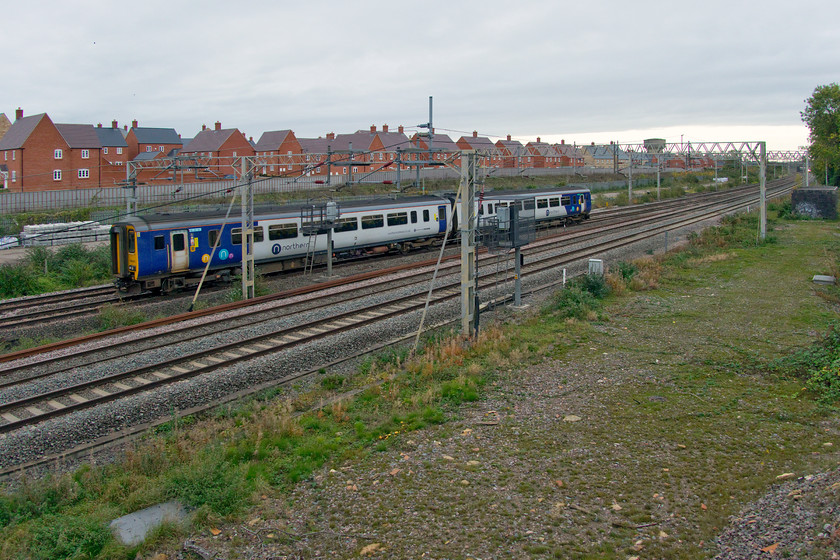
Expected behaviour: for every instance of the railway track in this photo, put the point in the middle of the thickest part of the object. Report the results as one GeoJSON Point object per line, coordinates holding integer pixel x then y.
{"type": "Point", "coordinates": [544, 256]}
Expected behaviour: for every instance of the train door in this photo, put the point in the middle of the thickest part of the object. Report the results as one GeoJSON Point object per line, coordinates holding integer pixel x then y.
{"type": "Point", "coordinates": [441, 219]}
{"type": "Point", "coordinates": [179, 251]}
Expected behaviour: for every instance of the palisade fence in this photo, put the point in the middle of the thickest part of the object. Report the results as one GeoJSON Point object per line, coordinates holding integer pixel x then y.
{"type": "Point", "coordinates": [180, 193]}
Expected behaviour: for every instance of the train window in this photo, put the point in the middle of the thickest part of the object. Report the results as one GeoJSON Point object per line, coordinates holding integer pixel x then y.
{"type": "Point", "coordinates": [346, 224]}
{"type": "Point", "coordinates": [398, 219]}
{"type": "Point", "coordinates": [542, 203]}
{"type": "Point", "coordinates": [160, 243]}
{"type": "Point", "coordinates": [131, 241]}
{"type": "Point", "coordinates": [414, 216]}
{"type": "Point", "coordinates": [178, 242]}
{"type": "Point", "coordinates": [212, 237]}
{"type": "Point", "coordinates": [501, 205]}
{"type": "Point", "coordinates": [282, 231]}
{"type": "Point", "coordinates": [425, 215]}
{"type": "Point", "coordinates": [236, 235]}
{"type": "Point", "coordinates": [565, 200]}
{"type": "Point", "coordinates": [371, 222]}
{"type": "Point", "coordinates": [554, 202]}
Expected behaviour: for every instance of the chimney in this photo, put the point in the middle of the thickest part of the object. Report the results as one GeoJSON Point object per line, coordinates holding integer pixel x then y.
{"type": "Point", "coordinates": [114, 124]}
{"type": "Point", "coordinates": [384, 128]}
{"type": "Point", "coordinates": [508, 137]}
{"type": "Point", "coordinates": [330, 135]}
{"type": "Point", "coordinates": [538, 140]}
{"type": "Point", "coordinates": [475, 134]}
{"type": "Point", "coordinates": [134, 123]}
{"type": "Point", "coordinates": [251, 139]}
{"type": "Point", "coordinates": [125, 127]}
{"type": "Point", "coordinates": [99, 125]}
{"type": "Point", "coordinates": [203, 127]}
{"type": "Point", "coordinates": [218, 125]}
{"type": "Point", "coordinates": [562, 141]}
{"type": "Point", "coordinates": [18, 114]}
{"type": "Point", "coordinates": [373, 128]}
{"type": "Point", "coordinates": [400, 129]}
{"type": "Point", "coordinates": [593, 143]}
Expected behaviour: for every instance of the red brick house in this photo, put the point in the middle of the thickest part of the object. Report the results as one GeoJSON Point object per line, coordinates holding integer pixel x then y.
{"type": "Point", "coordinates": [5, 125]}
{"type": "Point", "coordinates": [513, 153]}
{"type": "Point", "coordinates": [569, 154]}
{"type": "Point", "coordinates": [483, 145]}
{"type": "Point", "coordinates": [147, 139]}
{"type": "Point", "coordinates": [41, 155]}
{"type": "Point", "coordinates": [542, 155]}
{"type": "Point", "coordinates": [223, 146]}
{"type": "Point", "coordinates": [113, 155]}
{"type": "Point", "coordinates": [280, 153]}
{"type": "Point", "coordinates": [443, 147]}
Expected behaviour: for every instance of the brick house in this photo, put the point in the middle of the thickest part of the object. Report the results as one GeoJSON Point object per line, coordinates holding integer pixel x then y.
{"type": "Point", "coordinates": [280, 151]}
{"type": "Point", "coordinates": [483, 146]}
{"type": "Point", "coordinates": [513, 154]}
{"type": "Point", "coordinates": [114, 154]}
{"type": "Point", "coordinates": [569, 155]}
{"type": "Point", "coordinates": [443, 147]}
{"type": "Point", "coordinates": [543, 155]}
{"type": "Point", "coordinates": [5, 125]}
{"type": "Point", "coordinates": [147, 139]}
{"type": "Point", "coordinates": [41, 155]}
{"type": "Point", "coordinates": [365, 151]}
{"type": "Point", "coordinates": [222, 146]}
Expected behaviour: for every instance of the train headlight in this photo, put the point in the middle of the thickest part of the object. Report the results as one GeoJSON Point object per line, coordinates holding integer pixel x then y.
{"type": "Point", "coordinates": [132, 268]}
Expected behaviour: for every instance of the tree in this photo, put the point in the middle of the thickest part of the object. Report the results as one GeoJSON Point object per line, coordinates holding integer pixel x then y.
{"type": "Point", "coordinates": [822, 115]}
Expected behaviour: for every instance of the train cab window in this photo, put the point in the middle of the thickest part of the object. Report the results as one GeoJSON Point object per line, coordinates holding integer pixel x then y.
{"type": "Point", "coordinates": [414, 216]}
{"type": "Point", "coordinates": [565, 200]}
{"type": "Point", "coordinates": [160, 243]}
{"type": "Point", "coordinates": [374, 221]}
{"type": "Point", "coordinates": [425, 215]}
{"type": "Point", "coordinates": [554, 202]}
{"type": "Point", "coordinates": [542, 203]}
{"type": "Point", "coordinates": [212, 237]}
{"type": "Point", "coordinates": [282, 231]}
{"type": "Point", "coordinates": [346, 224]}
{"type": "Point", "coordinates": [131, 241]}
{"type": "Point", "coordinates": [398, 219]}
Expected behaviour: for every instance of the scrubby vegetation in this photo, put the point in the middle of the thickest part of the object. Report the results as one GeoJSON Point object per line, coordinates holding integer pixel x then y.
{"type": "Point", "coordinates": [71, 266]}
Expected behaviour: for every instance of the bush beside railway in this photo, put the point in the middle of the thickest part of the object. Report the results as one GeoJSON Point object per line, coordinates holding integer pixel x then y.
{"type": "Point", "coordinates": [42, 271]}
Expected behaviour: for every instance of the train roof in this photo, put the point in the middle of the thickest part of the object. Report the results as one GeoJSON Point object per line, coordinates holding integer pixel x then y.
{"type": "Point", "coordinates": [534, 192]}
{"type": "Point", "coordinates": [263, 212]}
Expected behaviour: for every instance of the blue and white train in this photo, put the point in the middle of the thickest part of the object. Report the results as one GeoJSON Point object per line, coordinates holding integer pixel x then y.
{"type": "Point", "coordinates": [163, 252]}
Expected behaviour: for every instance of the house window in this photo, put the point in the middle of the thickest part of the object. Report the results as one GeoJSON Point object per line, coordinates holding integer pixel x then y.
{"type": "Point", "coordinates": [84, 173]}
{"type": "Point", "coordinates": [57, 175]}
{"type": "Point", "coordinates": [234, 154]}
{"type": "Point", "coordinates": [105, 150]}
{"type": "Point", "coordinates": [14, 176]}
{"type": "Point", "coordinates": [160, 148]}
{"type": "Point", "coordinates": [58, 154]}
{"type": "Point", "coordinates": [85, 154]}
{"type": "Point", "coordinates": [119, 163]}
{"type": "Point", "coordinates": [119, 151]}
{"type": "Point", "coordinates": [148, 148]}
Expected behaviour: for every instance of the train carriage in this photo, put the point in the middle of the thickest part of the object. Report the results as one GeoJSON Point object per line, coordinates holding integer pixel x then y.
{"type": "Point", "coordinates": [167, 251]}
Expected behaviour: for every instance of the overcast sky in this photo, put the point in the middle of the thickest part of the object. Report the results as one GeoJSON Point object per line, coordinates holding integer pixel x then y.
{"type": "Point", "coordinates": [580, 71]}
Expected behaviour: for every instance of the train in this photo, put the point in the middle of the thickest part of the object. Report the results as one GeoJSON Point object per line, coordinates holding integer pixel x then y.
{"type": "Point", "coordinates": [165, 252]}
